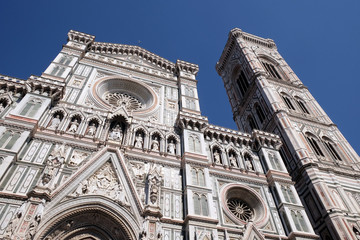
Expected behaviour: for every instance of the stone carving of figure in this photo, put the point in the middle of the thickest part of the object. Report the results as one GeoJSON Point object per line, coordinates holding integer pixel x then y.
{"type": "Point", "coordinates": [92, 129]}
{"type": "Point", "coordinates": [77, 158]}
{"type": "Point", "coordinates": [11, 227]}
{"type": "Point", "coordinates": [248, 163]}
{"type": "Point", "coordinates": [32, 228]}
{"type": "Point", "coordinates": [55, 122]}
{"type": "Point", "coordinates": [139, 141]}
{"type": "Point", "coordinates": [82, 188]}
{"type": "Point", "coordinates": [116, 133]}
{"type": "Point", "coordinates": [119, 194]}
{"type": "Point", "coordinates": [154, 190]}
{"type": "Point", "coordinates": [74, 126]}
{"type": "Point", "coordinates": [53, 163]}
{"type": "Point", "coordinates": [155, 144]}
{"type": "Point", "coordinates": [171, 147]}
{"type": "Point", "coordinates": [217, 158]}
{"type": "Point", "coordinates": [232, 159]}
{"type": "Point", "coordinates": [2, 108]}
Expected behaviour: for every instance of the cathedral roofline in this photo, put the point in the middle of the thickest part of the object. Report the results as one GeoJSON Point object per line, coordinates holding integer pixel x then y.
{"type": "Point", "coordinates": [234, 35]}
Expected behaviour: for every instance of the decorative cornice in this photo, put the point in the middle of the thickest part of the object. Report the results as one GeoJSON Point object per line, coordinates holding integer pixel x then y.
{"type": "Point", "coordinates": [234, 35]}
{"type": "Point", "coordinates": [187, 67]}
{"type": "Point", "coordinates": [122, 49]}
{"type": "Point", "coordinates": [80, 37]}
{"type": "Point", "coordinates": [265, 139]}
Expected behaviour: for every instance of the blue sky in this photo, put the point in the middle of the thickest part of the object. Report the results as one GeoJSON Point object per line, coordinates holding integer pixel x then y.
{"type": "Point", "coordinates": [319, 40]}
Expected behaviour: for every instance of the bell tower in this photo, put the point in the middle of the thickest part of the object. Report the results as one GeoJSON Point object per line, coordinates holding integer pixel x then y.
{"type": "Point", "coordinates": [265, 94]}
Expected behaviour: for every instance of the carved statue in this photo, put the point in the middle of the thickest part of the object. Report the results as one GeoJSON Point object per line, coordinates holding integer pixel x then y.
{"type": "Point", "coordinates": [77, 158]}
{"type": "Point", "coordinates": [116, 133]}
{"type": "Point", "coordinates": [232, 159]}
{"type": "Point", "coordinates": [139, 141]}
{"type": "Point", "coordinates": [53, 163]}
{"type": "Point", "coordinates": [32, 228]}
{"type": "Point", "coordinates": [74, 126]}
{"type": "Point", "coordinates": [155, 144]}
{"type": "Point", "coordinates": [171, 147]}
{"type": "Point", "coordinates": [13, 224]}
{"type": "Point", "coordinates": [2, 108]}
{"type": "Point", "coordinates": [92, 129]}
{"type": "Point", "coordinates": [55, 122]}
{"type": "Point", "coordinates": [249, 165]}
{"type": "Point", "coordinates": [154, 183]}
{"type": "Point", "coordinates": [217, 158]}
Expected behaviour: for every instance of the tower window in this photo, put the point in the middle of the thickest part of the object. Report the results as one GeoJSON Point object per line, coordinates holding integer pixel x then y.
{"type": "Point", "coordinates": [331, 149]}
{"type": "Point", "coordinates": [287, 101]}
{"type": "Point", "coordinates": [260, 113]}
{"type": "Point", "coordinates": [271, 70]}
{"type": "Point", "coordinates": [242, 83]}
{"type": "Point", "coordinates": [315, 146]}
{"type": "Point", "coordinates": [252, 123]}
{"type": "Point", "coordinates": [302, 106]}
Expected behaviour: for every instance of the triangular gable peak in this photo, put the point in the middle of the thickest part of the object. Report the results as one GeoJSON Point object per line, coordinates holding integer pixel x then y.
{"type": "Point", "coordinates": [251, 232]}
{"type": "Point", "coordinates": [133, 54]}
{"type": "Point", "coordinates": [105, 175]}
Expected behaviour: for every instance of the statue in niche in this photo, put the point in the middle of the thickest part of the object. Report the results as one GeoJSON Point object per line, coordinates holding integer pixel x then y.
{"type": "Point", "coordinates": [74, 126]}
{"type": "Point", "coordinates": [171, 147]}
{"type": "Point", "coordinates": [2, 108]}
{"type": "Point", "coordinates": [155, 144]}
{"type": "Point", "coordinates": [232, 159]}
{"type": "Point", "coordinates": [116, 133]}
{"type": "Point", "coordinates": [92, 129]}
{"type": "Point", "coordinates": [248, 163]}
{"type": "Point", "coordinates": [217, 157]}
{"type": "Point", "coordinates": [55, 122]}
{"type": "Point", "coordinates": [139, 141]}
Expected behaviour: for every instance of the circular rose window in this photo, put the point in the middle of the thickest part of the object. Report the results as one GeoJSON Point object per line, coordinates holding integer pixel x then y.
{"type": "Point", "coordinates": [242, 204]}
{"type": "Point", "coordinates": [130, 94]}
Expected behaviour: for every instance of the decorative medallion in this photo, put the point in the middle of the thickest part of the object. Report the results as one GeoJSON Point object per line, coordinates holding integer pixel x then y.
{"type": "Point", "coordinates": [118, 99]}
{"type": "Point", "coordinates": [240, 209]}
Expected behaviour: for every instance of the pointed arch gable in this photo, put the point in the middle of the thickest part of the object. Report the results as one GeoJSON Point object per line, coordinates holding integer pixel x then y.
{"type": "Point", "coordinates": [116, 158]}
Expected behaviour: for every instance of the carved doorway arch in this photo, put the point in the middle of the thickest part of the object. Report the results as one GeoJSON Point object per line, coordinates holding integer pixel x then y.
{"type": "Point", "coordinates": [88, 223]}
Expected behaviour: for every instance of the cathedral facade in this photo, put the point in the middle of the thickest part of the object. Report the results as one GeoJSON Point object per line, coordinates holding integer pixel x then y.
{"type": "Point", "coordinates": [110, 143]}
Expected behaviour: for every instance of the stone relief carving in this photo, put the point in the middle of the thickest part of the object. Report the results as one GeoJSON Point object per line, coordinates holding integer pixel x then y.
{"type": "Point", "coordinates": [74, 126]}
{"type": "Point", "coordinates": [232, 159]}
{"type": "Point", "coordinates": [139, 141]}
{"type": "Point", "coordinates": [14, 222]}
{"type": "Point", "coordinates": [103, 182]}
{"type": "Point", "coordinates": [31, 231]}
{"type": "Point", "coordinates": [77, 158]}
{"type": "Point", "coordinates": [154, 181]}
{"type": "Point", "coordinates": [116, 133]}
{"type": "Point", "coordinates": [155, 144]}
{"type": "Point", "coordinates": [54, 163]}
{"type": "Point", "coordinates": [171, 147]}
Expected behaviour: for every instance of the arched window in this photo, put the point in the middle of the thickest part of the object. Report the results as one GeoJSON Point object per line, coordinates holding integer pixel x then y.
{"type": "Point", "coordinates": [271, 70]}
{"type": "Point", "coordinates": [274, 161]}
{"type": "Point", "coordinates": [31, 107]}
{"type": "Point", "coordinates": [200, 204]}
{"type": "Point", "coordinates": [198, 177]}
{"type": "Point", "coordinates": [299, 221]}
{"type": "Point", "coordinates": [8, 139]}
{"type": "Point", "coordinates": [302, 105]}
{"type": "Point", "coordinates": [66, 60]}
{"type": "Point", "coordinates": [242, 83]}
{"type": "Point", "coordinates": [194, 143]}
{"type": "Point", "coordinates": [314, 145]}
{"type": "Point", "coordinates": [330, 146]}
{"type": "Point", "coordinates": [252, 123]}
{"type": "Point", "coordinates": [204, 206]}
{"type": "Point", "coordinates": [288, 194]}
{"type": "Point", "coordinates": [287, 101]}
{"type": "Point", "coordinates": [259, 113]}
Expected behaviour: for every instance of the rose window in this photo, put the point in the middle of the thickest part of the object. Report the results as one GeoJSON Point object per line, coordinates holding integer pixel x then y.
{"type": "Point", "coordinates": [118, 99]}
{"type": "Point", "coordinates": [240, 209]}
